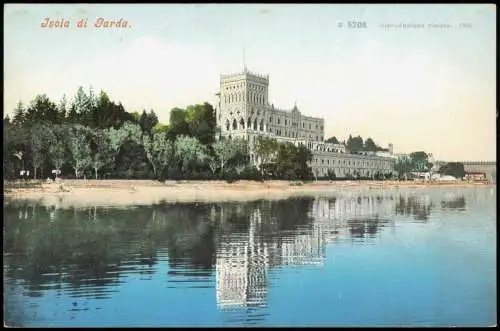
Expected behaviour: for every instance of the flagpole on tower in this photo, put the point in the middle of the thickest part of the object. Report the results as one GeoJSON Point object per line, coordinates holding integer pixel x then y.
{"type": "Point", "coordinates": [244, 61]}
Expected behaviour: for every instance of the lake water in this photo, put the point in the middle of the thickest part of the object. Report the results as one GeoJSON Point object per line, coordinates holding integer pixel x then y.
{"type": "Point", "coordinates": [421, 257]}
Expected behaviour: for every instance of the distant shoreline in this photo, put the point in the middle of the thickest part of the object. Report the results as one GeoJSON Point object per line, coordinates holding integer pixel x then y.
{"type": "Point", "coordinates": [86, 193]}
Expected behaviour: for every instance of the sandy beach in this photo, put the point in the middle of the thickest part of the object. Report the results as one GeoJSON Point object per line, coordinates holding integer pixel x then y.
{"type": "Point", "coordinates": [81, 193]}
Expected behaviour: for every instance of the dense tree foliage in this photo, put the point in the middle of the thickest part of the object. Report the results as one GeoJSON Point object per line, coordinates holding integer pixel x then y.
{"type": "Point", "coordinates": [415, 162]}
{"type": "Point", "coordinates": [455, 169]}
{"type": "Point", "coordinates": [332, 140]}
{"type": "Point", "coordinates": [420, 161]}
{"type": "Point", "coordinates": [357, 144]}
{"type": "Point", "coordinates": [92, 136]}
{"type": "Point", "coordinates": [284, 160]}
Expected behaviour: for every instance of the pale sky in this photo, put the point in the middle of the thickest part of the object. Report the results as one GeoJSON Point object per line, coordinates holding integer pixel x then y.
{"type": "Point", "coordinates": [423, 88]}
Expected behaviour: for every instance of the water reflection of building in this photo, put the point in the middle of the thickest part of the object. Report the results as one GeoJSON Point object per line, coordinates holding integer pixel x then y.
{"type": "Point", "coordinates": [304, 248]}
{"type": "Point", "coordinates": [243, 258]}
{"type": "Point", "coordinates": [338, 217]}
{"type": "Point", "coordinates": [241, 269]}
{"type": "Point", "coordinates": [454, 203]}
{"type": "Point", "coordinates": [412, 205]}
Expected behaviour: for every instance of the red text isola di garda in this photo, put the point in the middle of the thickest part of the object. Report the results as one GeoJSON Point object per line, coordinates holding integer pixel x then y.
{"type": "Point", "coordinates": [83, 23]}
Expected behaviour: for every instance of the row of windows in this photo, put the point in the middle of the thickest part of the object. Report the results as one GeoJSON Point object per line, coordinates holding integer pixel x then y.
{"type": "Point", "coordinates": [250, 87]}
{"type": "Point", "coordinates": [353, 163]}
{"type": "Point", "coordinates": [233, 87]}
{"type": "Point", "coordinates": [242, 125]}
{"type": "Point", "coordinates": [343, 172]}
{"type": "Point", "coordinates": [257, 88]}
{"type": "Point", "coordinates": [260, 127]}
{"type": "Point", "coordinates": [278, 120]}
{"type": "Point", "coordinates": [289, 122]}
{"type": "Point", "coordinates": [239, 97]}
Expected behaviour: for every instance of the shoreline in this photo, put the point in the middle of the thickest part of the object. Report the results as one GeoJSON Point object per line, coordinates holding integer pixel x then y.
{"type": "Point", "coordinates": [86, 193]}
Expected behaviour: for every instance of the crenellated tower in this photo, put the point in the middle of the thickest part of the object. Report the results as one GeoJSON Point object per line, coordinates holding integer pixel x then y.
{"type": "Point", "coordinates": [243, 101]}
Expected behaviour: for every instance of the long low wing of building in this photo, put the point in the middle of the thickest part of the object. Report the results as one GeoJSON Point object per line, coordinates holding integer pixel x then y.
{"type": "Point", "coordinates": [244, 111]}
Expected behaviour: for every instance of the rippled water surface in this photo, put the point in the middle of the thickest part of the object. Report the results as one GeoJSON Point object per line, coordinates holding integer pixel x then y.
{"type": "Point", "coordinates": [387, 258]}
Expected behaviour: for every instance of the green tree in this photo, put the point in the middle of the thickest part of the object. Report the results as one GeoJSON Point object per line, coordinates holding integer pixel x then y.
{"type": "Point", "coordinates": [16, 141]}
{"type": "Point", "coordinates": [103, 152]}
{"type": "Point", "coordinates": [201, 122]}
{"type": "Point", "coordinates": [332, 140]}
{"type": "Point", "coordinates": [62, 110]}
{"type": "Point", "coordinates": [225, 151]}
{"type": "Point", "coordinates": [302, 160]}
{"type": "Point", "coordinates": [79, 146]}
{"type": "Point", "coordinates": [160, 128]}
{"type": "Point", "coordinates": [132, 159]}
{"type": "Point", "coordinates": [292, 162]}
{"type": "Point", "coordinates": [241, 157]}
{"type": "Point", "coordinates": [189, 153]}
{"type": "Point", "coordinates": [403, 166]}
{"type": "Point", "coordinates": [128, 131]}
{"type": "Point", "coordinates": [19, 114]}
{"type": "Point", "coordinates": [370, 145]}
{"type": "Point", "coordinates": [79, 107]}
{"type": "Point", "coordinates": [178, 125]}
{"type": "Point", "coordinates": [266, 149]}
{"type": "Point", "coordinates": [40, 140]}
{"type": "Point", "coordinates": [42, 109]}
{"type": "Point", "coordinates": [58, 148]}
{"type": "Point", "coordinates": [102, 113]}
{"type": "Point", "coordinates": [159, 151]}
{"type": "Point", "coordinates": [455, 169]}
{"type": "Point", "coordinates": [354, 145]}
{"type": "Point", "coordinates": [420, 161]}
{"type": "Point", "coordinates": [130, 151]}
{"type": "Point", "coordinates": [106, 113]}
{"type": "Point", "coordinates": [147, 121]}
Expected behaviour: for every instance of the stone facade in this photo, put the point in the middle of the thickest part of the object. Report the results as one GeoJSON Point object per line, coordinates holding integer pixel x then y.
{"type": "Point", "coordinates": [243, 110]}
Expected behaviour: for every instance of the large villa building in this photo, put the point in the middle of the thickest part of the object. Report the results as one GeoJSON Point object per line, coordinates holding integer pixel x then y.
{"type": "Point", "coordinates": [244, 111]}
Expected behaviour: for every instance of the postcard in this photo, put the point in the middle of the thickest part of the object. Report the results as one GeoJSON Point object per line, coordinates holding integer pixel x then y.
{"type": "Point", "coordinates": [249, 165]}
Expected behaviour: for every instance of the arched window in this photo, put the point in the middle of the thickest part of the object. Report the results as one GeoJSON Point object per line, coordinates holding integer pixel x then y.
{"type": "Point", "coordinates": [261, 125]}
{"type": "Point", "coordinates": [227, 125]}
{"type": "Point", "coordinates": [249, 123]}
{"type": "Point", "coordinates": [255, 124]}
{"type": "Point", "coordinates": [235, 125]}
{"type": "Point", "coordinates": [242, 123]}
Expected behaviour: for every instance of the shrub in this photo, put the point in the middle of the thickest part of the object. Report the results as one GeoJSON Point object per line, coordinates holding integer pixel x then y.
{"type": "Point", "coordinates": [251, 173]}
{"type": "Point", "coordinates": [231, 176]}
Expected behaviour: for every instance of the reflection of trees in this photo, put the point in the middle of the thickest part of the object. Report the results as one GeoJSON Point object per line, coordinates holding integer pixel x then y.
{"type": "Point", "coordinates": [88, 249]}
{"type": "Point", "coordinates": [280, 215]}
{"type": "Point", "coordinates": [360, 228]}
{"type": "Point", "coordinates": [86, 252]}
{"type": "Point", "coordinates": [189, 234]}
{"type": "Point", "coordinates": [457, 203]}
{"type": "Point", "coordinates": [418, 207]}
